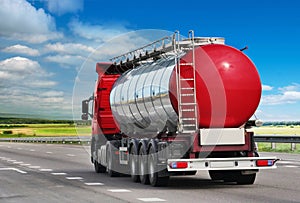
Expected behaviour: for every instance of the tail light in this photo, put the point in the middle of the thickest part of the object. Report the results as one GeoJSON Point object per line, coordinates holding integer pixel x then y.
{"type": "Point", "coordinates": [265, 162]}
{"type": "Point", "coordinates": [178, 165]}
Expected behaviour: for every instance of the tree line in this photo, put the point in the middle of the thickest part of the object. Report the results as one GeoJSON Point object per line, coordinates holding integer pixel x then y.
{"type": "Point", "coordinates": [8, 121]}
{"type": "Point", "coordinates": [5, 120]}
{"type": "Point", "coordinates": [281, 123]}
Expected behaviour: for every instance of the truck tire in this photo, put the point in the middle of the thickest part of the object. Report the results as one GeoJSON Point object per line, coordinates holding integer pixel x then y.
{"type": "Point", "coordinates": [216, 175]}
{"type": "Point", "coordinates": [110, 162]}
{"type": "Point", "coordinates": [154, 178]}
{"type": "Point", "coordinates": [246, 179]}
{"type": "Point", "coordinates": [144, 178]}
{"type": "Point", "coordinates": [99, 168]}
{"type": "Point", "coordinates": [239, 178]}
{"type": "Point", "coordinates": [233, 176]}
{"type": "Point", "coordinates": [190, 173]}
{"type": "Point", "coordinates": [133, 164]}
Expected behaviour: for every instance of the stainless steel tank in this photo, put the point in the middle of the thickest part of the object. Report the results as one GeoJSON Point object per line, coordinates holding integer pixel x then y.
{"type": "Point", "coordinates": [140, 100]}
{"type": "Point", "coordinates": [227, 89]}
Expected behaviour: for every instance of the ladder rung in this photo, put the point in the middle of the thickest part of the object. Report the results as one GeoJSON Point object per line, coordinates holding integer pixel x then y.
{"type": "Point", "coordinates": [186, 95]}
{"type": "Point", "coordinates": [185, 48]}
{"type": "Point", "coordinates": [187, 104]}
{"type": "Point", "coordinates": [186, 64]}
{"type": "Point", "coordinates": [187, 88]}
{"type": "Point", "coordinates": [187, 79]}
{"type": "Point", "coordinates": [188, 119]}
{"type": "Point", "coordinates": [188, 125]}
{"type": "Point", "coordinates": [188, 131]}
{"type": "Point", "coordinates": [187, 110]}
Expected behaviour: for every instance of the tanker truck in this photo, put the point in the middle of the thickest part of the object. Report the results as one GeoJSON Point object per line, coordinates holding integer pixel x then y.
{"type": "Point", "coordinates": [174, 107]}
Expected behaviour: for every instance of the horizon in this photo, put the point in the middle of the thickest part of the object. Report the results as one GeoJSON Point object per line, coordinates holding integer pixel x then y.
{"type": "Point", "coordinates": [54, 45]}
{"type": "Point", "coordinates": [27, 116]}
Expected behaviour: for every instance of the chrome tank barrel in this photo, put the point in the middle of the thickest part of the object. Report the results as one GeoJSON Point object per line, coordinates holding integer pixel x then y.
{"type": "Point", "coordinates": [144, 100]}
{"type": "Point", "coordinates": [140, 100]}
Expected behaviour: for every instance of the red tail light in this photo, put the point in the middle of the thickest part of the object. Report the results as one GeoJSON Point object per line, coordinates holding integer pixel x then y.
{"type": "Point", "coordinates": [265, 162]}
{"type": "Point", "coordinates": [178, 164]}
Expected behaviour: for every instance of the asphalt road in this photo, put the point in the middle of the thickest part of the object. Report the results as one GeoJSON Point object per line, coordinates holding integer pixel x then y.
{"type": "Point", "coordinates": [63, 173]}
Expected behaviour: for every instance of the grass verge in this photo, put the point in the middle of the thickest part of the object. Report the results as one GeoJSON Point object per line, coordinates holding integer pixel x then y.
{"type": "Point", "coordinates": [48, 130]}
{"type": "Point", "coordinates": [279, 147]}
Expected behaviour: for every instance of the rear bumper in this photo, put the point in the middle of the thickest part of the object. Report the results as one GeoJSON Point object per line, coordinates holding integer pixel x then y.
{"type": "Point", "coordinates": [245, 163]}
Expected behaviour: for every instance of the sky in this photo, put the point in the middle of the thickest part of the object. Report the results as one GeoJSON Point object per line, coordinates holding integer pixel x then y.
{"type": "Point", "coordinates": [46, 46]}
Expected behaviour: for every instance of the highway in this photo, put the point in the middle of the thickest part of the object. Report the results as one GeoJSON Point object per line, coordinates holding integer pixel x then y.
{"type": "Point", "coordinates": [64, 173]}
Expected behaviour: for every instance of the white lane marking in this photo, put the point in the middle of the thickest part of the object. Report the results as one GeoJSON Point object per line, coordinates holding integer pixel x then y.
{"type": "Point", "coordinates": [70, 155]}
{"type": "Point", "coordinates": [94, 184]}
{"type": "Point", "coordinates": [13, 169]}
{"type": "Point", "coordinates": [11, 160]}
{"type": "Point", "coordinates": [74, 178]}
{"type": "Point", "coordinates": [1, 145]}
{"type": "Point", "coordinates": [45, 169]}
{"type": "Point", "coordinates": [25, 164]}
{"type": "Point", "coordinates": [18, 162]}
{"type": "Point", "coordinates": [152, 199]}
{"type": "Point", "coordinates": [19, 148]}
{"type": "Point", "coordinates": [291, 166]}
{"type": "Point", "coordinates": [119, 190]}
{"type": "Point", "coordinates": [9, 147]}
{"type": "Point", "coordinates": [59, 174]}
{"type": "Point", "coordinates": [32, 150]}
{"type": "Point", "coordinates": [49, 152]}
{"type": "Point", "coordinates": [36, 167]}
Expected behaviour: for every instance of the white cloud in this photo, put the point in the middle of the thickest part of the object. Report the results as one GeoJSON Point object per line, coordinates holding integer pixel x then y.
{"type": "Point", "coordinates": [38, 103]}
{"type": "Point", "coordinates": [69, 48]}
{"type": "Point", "coordinates": [266, 87]}
{"type": "Point", "coordinates": [66, 60]}
{"type": "Point", "coordinates": [22, 21]}
{"type": "Point", "coordinates": [286, 95]}
{"type": "Point", "coordinates": [20, 49]}
{"type": "Point", "coordinates": [293, 87]}
{"type": "Point", "coordinates": [43, 83]}
{"type": "Point", "coordinates": [21, 66]}
{"type": "Point", "coordinates": [27, 88]}
{"type": "Point", "coordinates": [19, 71]}
{"type": "Point", "coordinates": [99, 33]}
{"type": "Point", "coordinates": [52, 94]}
{"type": "Point", "coordinates": [61, 7]}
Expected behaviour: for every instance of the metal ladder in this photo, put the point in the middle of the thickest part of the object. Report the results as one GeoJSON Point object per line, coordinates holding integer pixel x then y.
{"type": "Point", "coordinates": [186, 88]}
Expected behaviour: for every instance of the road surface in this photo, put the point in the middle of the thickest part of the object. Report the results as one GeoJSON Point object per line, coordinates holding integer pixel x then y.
{"type": "Point", "coordinates": [63, 173]}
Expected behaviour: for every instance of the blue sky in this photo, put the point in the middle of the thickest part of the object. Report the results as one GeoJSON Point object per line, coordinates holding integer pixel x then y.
{"type": "Point", "coordinates": [44, 44]}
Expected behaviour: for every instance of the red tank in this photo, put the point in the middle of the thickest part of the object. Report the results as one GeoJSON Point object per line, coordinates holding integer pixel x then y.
{"type": "Point", "coordinates": [228, 87]}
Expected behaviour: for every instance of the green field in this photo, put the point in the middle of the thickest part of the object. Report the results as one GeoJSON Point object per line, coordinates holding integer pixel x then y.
{"type": "Point", "coordinates": [73, 130]}
{"type": "Point", "coordinates": [278, 130]}
{"type": "Point", "coordinates": [20, 130]}
{"type": "Point", "coordinates": [39, 130]}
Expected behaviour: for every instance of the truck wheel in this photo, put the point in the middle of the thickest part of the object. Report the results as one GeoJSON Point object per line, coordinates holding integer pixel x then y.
{"type": "Point", "coordinates": [246, 179]}
{"type": "Point", "coordinates": [216, 175]}
{"type": "Point", "coordinates": [144, 178]}
{"type": "Point", "coordinates": [190, 173]}
{"type": "Point", "coordinates": [233, 176]}
{"type": "Point", "coordinates": [239, 178]}
{"type": "Point", "coordinates": [110, 163]}
{"type": "Point", "coordinates": [133, 164]}
{"type": "Point", "coordinates": [99, 168]}
{"type": "Point", "coordinates": [154, 178]}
